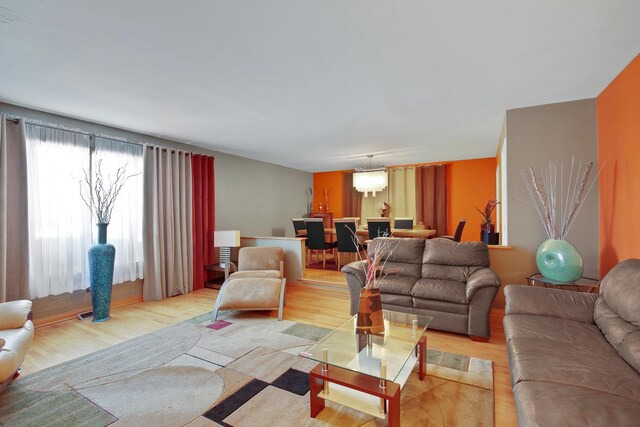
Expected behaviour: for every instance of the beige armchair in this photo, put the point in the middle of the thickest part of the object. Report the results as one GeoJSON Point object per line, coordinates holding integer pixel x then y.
{"type": "Point", "coordinates": [16, 336]}
{"type": "Point", "coordinates": [259, 283]}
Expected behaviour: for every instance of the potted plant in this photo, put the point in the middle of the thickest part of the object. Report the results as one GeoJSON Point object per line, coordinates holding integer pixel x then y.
{"type": "Point", "coordinates": [487, 227]}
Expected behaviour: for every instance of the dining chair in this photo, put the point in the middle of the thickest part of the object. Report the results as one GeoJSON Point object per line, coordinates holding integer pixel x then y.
{"type": "Point", "coordinates": [298, 226]}
{"type": "Point", "coordinates": [316, 239]}
{"type": "Point", "coordinates": [458, 234]}
{"type": "Point", "coordinates": [347, 238]}
{"type": "Point", "coordinates": [379, 227]}
{"type": "Point", "coordinates": [403, 223]}
{"type": "Point", "coordinates": [355, 219]}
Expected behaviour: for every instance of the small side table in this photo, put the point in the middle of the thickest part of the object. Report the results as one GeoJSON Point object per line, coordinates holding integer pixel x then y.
{"type": "Point", "coordinates": [585, 284]}
{"type": "Point", "coordinates": [217, 268]}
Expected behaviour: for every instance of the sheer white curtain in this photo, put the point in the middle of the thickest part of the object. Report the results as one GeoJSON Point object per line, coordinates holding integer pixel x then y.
{"type": "Point", "coordinates": [59, 222]}
{"type": "Point", "coordinates": [402, 192]}
{"type": "Point", "coordinates": [125, 228]}
{"type": "Point", "coordinates": [168, 223]}
{"type": "Point", "coordinates": [371, 205]}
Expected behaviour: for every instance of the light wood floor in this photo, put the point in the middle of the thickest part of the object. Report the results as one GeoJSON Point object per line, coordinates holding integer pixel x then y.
{"type": "Point", "coordinates": [322, 307]}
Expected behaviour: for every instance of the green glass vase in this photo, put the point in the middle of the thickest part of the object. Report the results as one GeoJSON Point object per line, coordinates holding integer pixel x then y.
{"type": "Point", "coordinates": [559, 260]}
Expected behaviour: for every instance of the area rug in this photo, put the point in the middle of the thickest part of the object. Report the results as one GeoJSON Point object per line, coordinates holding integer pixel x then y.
{"type": "Point", "coordinates": [243, 370]}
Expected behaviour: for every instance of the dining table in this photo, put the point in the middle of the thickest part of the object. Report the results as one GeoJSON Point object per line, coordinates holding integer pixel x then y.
{"type": "Point", "coordinates": [395, 232]}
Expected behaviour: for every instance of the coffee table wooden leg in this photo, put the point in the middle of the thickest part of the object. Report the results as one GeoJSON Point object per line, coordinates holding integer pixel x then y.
{"type": "Point", "coordinates": [393, 415]}
{"type": "Point", "coordinates": [422, 357]}
{"type": "Point", "coordinates": [316, 385]}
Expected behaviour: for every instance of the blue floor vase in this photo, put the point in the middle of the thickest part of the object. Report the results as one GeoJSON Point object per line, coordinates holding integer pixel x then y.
{"type": "Point", "coordinates": [101, 261]}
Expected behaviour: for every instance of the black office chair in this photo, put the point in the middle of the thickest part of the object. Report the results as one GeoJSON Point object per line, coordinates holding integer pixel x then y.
{"type": "Point", "coordinates": [346, 238]}
{"type": "Point", "coordinates": [403, 223]}
{"type": "Point", "coordinates": [379, 227]}
{"type": "Point", "coordinates": [315, 239]}
{"type": "Point", "coordinates": [298, 226]}
{"type": "Point", "coordinates": [458, 234]}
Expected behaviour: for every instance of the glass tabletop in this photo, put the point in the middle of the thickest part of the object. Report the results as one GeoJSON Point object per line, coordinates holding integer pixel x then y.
{"type": "Point", "coordinates": [382, 356]}
{"type": "Point", "coordinates": [582, 281]}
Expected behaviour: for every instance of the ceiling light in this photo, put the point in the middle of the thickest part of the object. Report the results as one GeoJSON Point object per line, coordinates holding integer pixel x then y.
{"type": "Point", "coordinates": [370, 180]}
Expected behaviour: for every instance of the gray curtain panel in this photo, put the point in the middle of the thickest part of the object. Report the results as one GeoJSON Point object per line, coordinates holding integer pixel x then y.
{"type": "Point", "coordinates": [14, 231]}
{"type": "Point", "coordinates": [167, 223]}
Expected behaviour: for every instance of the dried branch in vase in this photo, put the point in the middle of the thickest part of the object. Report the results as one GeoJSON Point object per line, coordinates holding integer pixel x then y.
{"type": "Point", "coordinates": [101, 197]}
{"type": "Point", "coordinates": [556, 205]}
{"type": "Point", "coordinates": [380, 249]}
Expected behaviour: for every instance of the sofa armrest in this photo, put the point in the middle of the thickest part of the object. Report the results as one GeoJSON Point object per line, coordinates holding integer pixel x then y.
{"type": "Point", "coordinates": [550, 302]}
{"type": "Point", "coordinates": [356, 278]}
{"type": "Point", "coordinates": [14, 314]}
{"type": "Point", "coordinates": [483, 278]}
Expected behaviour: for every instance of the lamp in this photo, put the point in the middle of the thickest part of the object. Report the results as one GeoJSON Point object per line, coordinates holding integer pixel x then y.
{"type": "Point", "coordinates": [225, 240]}
{"type": "Point", "coordinates": [370, 180]}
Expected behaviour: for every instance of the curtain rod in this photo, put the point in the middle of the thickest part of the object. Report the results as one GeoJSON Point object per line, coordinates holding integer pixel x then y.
{"type": "Point", "coordinates": [16, 120]}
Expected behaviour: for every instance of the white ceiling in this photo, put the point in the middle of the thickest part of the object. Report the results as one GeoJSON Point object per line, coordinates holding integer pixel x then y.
{"type": "Point", "coordinates": [313, 84]}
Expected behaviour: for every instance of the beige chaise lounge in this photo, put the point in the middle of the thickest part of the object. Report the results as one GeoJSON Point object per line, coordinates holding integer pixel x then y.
{"type": "Point", "coordinates": [259, 283]}
{"type": "Point", "coordinates": [16, 336]}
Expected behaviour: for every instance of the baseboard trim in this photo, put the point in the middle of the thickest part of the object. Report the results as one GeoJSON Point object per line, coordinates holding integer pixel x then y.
{"type": "Point", "coordinates": [57, 318]}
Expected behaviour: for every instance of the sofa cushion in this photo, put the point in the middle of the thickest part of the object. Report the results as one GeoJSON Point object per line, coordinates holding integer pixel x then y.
{"type": "Point", "coordinates": [621, 290]}
{"type": "Point", "coordinates": [405, 250]}
{"type": "Point", "coordinates": [395, 299]}
{"type": "Point", "coordinates": [583, 365]}
{"type": "Point", "coordinates": [551, 328]}
{"type": "Point", "coordinates": [614, 327]}
{"type": "Point", "coordinates": [396, 284]}
{"type": "Point", "coordinates": [630, 350]}
{"type": "Point", "coordinates": [402, 269]}
{"type": "Point", "coordinates": [445, 259]}
{"type": "Point", "coordinates": [256, 274]}
{"type": "Point", "coordinates": [541, 403]}
{"type": "Point", "coordinates": [448, 252]}
{"type": "Point", "coordinates": [441, 289]}
{"type": "Point", "coordinates": [443, 306]}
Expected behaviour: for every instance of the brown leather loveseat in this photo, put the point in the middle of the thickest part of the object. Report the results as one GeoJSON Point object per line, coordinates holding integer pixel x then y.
{"type": "Point", "coordinates": [575, 357]}
{"type": "Point", "coordinates": [449, 281]}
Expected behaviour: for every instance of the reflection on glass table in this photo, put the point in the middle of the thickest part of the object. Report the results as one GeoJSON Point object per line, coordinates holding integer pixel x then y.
{"type": "Point", "coordinates": [585, 284]}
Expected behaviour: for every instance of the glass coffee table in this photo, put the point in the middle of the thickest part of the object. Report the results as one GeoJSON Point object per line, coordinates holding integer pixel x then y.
{"type": "Point", "coordinates": [367, 371]}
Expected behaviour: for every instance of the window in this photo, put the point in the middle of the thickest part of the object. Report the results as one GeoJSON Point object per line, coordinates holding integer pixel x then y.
{"type": "Point", "coordinates": [61, 228]}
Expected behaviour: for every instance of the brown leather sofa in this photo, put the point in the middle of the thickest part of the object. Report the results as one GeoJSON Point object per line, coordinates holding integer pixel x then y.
{"type": "Point", "coordinates": [575, 357]}
{"type": "Point", "coordinates": [449, 281]}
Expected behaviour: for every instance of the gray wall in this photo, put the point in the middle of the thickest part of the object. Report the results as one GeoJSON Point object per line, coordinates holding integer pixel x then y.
{"type": "Point", "coordinates": [257, 198]}
{"type": "Point", "coordinates": [536, 135]}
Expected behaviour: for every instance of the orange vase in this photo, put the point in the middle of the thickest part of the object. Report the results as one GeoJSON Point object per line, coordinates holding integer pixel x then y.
{"type": "Point", "coordinates": [369, 319]}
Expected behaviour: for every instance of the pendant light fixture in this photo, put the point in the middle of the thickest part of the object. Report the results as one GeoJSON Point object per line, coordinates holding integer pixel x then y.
{"type": "Point", "coordinates": [370, 180]}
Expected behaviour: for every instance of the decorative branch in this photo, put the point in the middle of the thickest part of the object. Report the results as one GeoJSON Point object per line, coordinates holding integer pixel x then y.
{"type": "Point", "coordinates": [544, 195]}
{"type": "Point", "coordinates": [100, 199]}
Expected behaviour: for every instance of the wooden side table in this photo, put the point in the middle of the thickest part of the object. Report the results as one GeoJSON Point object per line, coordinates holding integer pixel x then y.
{"type": "Point", "coordinates": [217, 268]}
{"type": "Point", "coordinates": [584, 284]}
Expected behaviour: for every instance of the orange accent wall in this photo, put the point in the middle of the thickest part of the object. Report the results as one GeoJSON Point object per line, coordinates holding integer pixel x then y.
{"type": "Point", "coordinates": [334, 183]}
{"type": "Point", "coordinates": [470, 184]}
{"type": "Point", "coordinates": [619, 181]}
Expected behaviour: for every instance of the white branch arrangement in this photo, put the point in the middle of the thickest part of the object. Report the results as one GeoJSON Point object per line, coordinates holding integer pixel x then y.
{"type": "Point", "coordinates": [379, 252]}
{"type": "Point", "coordinates": [102, 196]}
{"type": "Point", "coordinates": [557, 212]}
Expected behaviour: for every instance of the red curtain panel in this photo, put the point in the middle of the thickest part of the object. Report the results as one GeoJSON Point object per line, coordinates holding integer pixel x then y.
{"type": "Point", "coordinates": [204, 208]}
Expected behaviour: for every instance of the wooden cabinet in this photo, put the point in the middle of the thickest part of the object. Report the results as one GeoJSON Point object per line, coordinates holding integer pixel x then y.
{"type": "Point", "coordinates": [327, 218]}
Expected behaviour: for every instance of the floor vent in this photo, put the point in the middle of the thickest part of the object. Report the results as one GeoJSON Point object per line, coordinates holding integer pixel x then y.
{"type": "Point", "coordinates": [85, 315]}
